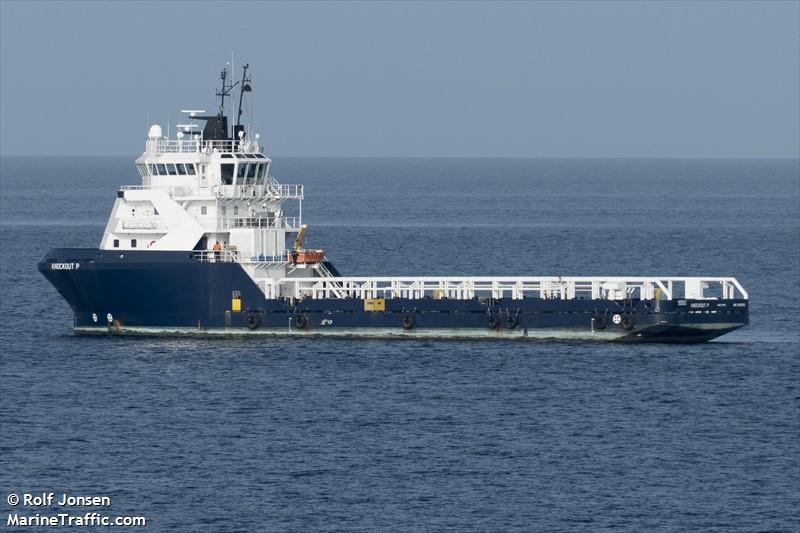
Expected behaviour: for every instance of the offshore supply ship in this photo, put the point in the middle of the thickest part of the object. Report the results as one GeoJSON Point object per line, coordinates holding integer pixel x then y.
{"type": "Point", "coordinates": [203, 245]}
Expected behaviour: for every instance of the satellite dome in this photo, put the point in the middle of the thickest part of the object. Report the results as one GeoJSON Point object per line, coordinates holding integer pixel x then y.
{"type": "Point", "coordinates": [155, 132]}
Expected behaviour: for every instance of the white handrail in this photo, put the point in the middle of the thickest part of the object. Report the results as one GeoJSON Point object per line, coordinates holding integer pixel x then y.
{"type": "Point", "coordinates": [213, 256]}
{"type": "Point", "coordinates": [222, 223]}
{"type": "Point", "coordinates": [517, 288]}
{"type": "Point", "coordinates": [270, 190]}
{"type": "Point", "coordinates": [183, 146]}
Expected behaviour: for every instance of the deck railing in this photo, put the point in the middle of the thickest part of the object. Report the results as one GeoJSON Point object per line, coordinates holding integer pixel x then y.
{"type": "Point", "coordinates": [175, 191]}
{"type": "Point", "coordinates": [211, 256]}
{"type": "Point", "coordinates": [560, 288]}
{"type": "Point", "coordinates": [262, 260]}
{"type": "Point", "coordinates": [224, 223]}
{"type": "Point", "coordinates": [270, 191]}
{"type": "Point", "coordinates": [182, 146]}
{"type": "Point", "coordinates": [290, 223]}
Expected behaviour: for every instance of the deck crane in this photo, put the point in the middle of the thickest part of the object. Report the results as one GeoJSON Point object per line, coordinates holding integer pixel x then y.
{"type": "Point", "coordinates": [300, 256]}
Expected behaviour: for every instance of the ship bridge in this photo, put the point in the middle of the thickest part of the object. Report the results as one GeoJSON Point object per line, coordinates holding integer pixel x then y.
{"type": "Point", "coordinates": [208, 190]}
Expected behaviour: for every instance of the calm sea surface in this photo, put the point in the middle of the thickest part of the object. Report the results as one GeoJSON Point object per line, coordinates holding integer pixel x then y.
{"type": "Point", "coordinates": [365, 435]}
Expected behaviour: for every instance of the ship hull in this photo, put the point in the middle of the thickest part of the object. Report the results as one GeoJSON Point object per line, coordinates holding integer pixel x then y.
{"type": "Point", "coordinates": [156, 293]}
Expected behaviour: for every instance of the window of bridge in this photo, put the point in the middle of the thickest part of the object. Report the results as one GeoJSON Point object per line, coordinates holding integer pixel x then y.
{"type": "Point", "coordinates": [251, 173]}
{"type": "Point", "coordinates": [227, 173]}
{"type": "Point", "coordinates": [261, 175]}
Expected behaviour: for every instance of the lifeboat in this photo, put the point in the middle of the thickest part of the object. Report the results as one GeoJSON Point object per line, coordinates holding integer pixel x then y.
{"type": "Point", "coordinates": [307, 257]}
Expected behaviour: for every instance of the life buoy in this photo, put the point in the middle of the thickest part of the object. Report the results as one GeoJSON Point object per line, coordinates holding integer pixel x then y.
{"type": "Point", "coordinates": [599, 322]}
{"type": "Point", "coordinates": [628, 322]}
{"type": "Point", "coordinates": [253, 320]}
{"type": "Point", "coordinates": [512, 322]}
{"type": "Point", "coordinates": [493, 322]}
{"type": "Point", "coordinates": [409, 321]}
{"type": "Point", "coordinates": [300, 321]}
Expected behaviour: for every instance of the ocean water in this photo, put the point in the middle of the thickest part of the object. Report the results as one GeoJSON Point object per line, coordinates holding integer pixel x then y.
{"type": "Point", "coordinates": [365, 435]}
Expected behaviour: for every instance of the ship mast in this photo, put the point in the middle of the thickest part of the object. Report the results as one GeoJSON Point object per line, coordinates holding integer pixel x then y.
{"type": "Point", "coordinates": [217, 126]}
{"type": "Point", "coordinates": [244, 87]}
{"type": "Point", "coordinates": [225, 91]}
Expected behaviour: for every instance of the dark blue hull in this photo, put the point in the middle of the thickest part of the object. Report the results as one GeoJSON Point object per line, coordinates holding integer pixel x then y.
{"type": "Point", "coordinates": [158, 292]}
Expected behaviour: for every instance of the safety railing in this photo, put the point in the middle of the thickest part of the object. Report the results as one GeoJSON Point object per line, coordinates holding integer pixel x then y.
{"type": "Point", "coordinates": [175, 191]}
{"type": "Point", "coordinates": [263, 259]}
{"type": "Point", "coordinates": [272, 191]}
{"type": "Point", "coordinates": [196, 145]}
{"type": "Point", "coordinates": [223, 223]}
{"type": "Point", "coordinates": [216, 256]}
{"type": "Point", "coordinates": [267, 191]}
{"type": "Point", "coordinates": [561, 288]}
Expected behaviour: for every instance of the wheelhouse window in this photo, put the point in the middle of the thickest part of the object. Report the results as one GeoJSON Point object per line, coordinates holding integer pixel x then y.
{"type": "Point", "coordinates": [227, 173]}
{"type": "Point", "coordinates": [152, 168]}
{"type": "Point", "coordinates": [162, 169]}
{"type": "Point", "coordinates": [181, 169]}
{"type": "Point", "coordinates": [190, 169]}
{"type": "Point", "coordinates": [240, 172]}
{"type": "Point", "coordinates": [251, 173]}
{"type": "Point", "coordinates": [262, 174]}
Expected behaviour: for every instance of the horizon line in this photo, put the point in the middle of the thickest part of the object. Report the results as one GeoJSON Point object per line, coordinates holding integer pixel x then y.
{"type": "Point", "coordinates": [273, 157]}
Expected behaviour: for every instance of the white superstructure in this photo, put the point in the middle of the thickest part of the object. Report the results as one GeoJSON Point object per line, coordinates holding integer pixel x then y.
{"type": "Point", "coordinates": [214, 197]}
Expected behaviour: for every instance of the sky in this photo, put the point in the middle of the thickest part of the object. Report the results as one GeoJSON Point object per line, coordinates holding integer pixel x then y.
{"type": "Point", "coordinates": [450, 79]}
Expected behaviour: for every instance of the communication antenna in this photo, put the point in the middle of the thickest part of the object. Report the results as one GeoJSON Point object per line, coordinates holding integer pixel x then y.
{"type": "Point", "coordinates": [225, 90]}
{"type": "Point", "coordinates": [243, 88]}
